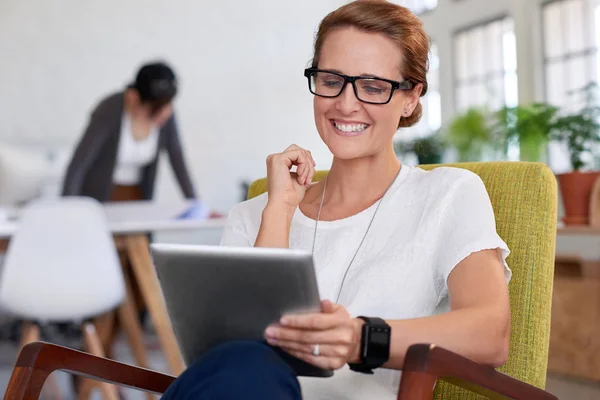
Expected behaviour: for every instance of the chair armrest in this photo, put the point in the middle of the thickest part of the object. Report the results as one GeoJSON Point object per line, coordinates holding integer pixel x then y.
{"type": "Point", "coordinates": [38, 360]}
{"type": "Point", "coordinates": [425, 364]}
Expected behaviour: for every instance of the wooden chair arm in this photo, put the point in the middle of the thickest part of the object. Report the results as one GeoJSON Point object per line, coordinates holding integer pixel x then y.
{"type": "Point", "coordinates": [38, 360]}
{"type": "Point", "coordinates": [425, 364]}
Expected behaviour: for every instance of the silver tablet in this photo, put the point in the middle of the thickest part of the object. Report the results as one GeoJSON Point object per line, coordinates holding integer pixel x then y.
{"type": "Point", "coordinates": [216, 294]}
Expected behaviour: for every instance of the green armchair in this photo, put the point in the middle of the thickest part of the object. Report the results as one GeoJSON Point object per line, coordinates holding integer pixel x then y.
{"type": "Point", "coordinates": [524, 197]}
{"type": "Point", "coordinates": [525, 201]}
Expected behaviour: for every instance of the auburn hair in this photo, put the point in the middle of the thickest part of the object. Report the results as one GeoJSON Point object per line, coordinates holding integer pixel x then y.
{"type": "Point", "coordinates": [397, 23]}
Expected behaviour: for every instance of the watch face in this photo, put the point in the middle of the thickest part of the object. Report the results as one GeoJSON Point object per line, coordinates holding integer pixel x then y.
{"type": "Point", "coordinates": [379, 342]}
{"type": "Point", "coordinates": [379, 337]}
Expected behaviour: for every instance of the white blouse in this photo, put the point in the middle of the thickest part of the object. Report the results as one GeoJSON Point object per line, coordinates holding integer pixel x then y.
{"type": "Point", "coordinates": [428, 222]}
{"type": "Point", "coordinates": [133, 155]}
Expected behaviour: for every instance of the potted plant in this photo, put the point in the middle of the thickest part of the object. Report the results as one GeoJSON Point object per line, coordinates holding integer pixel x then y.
{"type": "Point", "coordinates": [529, 126]}
{"type": "Point", "coordinates": [428, 149]}
{"type": "Point", "coordinates": [580, 131]}
{"type": "Point", "coordinates": [470, 133]}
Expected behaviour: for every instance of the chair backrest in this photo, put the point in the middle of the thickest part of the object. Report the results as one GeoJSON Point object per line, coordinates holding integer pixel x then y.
{"type": "Point", "coordinates": [62, 262]}
{"type": "Point", "coordinates": [525, 200]}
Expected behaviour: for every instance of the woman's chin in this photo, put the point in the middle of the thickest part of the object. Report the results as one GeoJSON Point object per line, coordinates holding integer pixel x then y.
{"type": "Point", "coordinates": [347, 151]}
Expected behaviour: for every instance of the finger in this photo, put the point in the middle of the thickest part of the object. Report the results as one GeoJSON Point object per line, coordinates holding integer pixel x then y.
{"type": "Point", "coordinates": [340, 336]}
{"type": "Point", "coordinates": [292, 157]}
{"type": "Point", "coordinates": [310, 177]}
{"type": "Point", "coordinates": [311, 158]}
{"type": "Point", "coordinates": [315, 321]}
{"type": "Point", "coordinates": [329, 307]}
{"type": "Point", "coordinates": [308, 168]}
{"type": "Point", "coordinates": [319, 361]}
{"type": "Point", "coordinates": [293, 147]}
{"type": "Point", "coordinates": [300, 174]}
{"type": "Point", "coordinates": [326, 350]}
{"type": "Point", "coordinates": [294, 176]}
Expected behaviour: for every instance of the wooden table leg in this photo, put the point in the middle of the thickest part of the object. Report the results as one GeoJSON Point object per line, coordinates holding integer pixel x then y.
{"type": "Point", "coordinates": [143, 268]}
{"type": "Point", "coordinates": [4, 245]}
{"type": "Point", "coordinates": [128, 319]}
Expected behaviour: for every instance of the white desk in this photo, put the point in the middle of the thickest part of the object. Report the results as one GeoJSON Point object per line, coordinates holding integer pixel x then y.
{"type": "Point", "coordinates": [7, 229]}
{"type": "Point", "coordinates": [130, 222]}
{"type": "Point", "coordinates": [133, 217]}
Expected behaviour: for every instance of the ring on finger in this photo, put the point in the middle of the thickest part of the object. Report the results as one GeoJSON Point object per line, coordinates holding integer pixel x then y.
{"type": "Point", "coordinates": [316, 351]}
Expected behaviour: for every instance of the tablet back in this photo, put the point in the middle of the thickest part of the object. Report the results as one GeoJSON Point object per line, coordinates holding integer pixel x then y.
{"type": "Point", "coordinates": [216, 294]}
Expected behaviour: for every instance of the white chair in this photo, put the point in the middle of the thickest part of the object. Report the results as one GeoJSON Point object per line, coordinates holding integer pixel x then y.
{"type": "Point", "coordinates": [62, 265]}
{"type": "Point", "coordinates": [23, 171]}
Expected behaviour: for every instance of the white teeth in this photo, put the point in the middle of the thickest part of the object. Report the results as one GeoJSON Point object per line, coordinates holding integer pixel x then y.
{"type": "Point", "coordinates": [351, 127]}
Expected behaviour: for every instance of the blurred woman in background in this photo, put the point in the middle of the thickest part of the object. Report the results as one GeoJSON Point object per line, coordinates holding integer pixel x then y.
{"type": "Point", "coordinates": [117, 157]}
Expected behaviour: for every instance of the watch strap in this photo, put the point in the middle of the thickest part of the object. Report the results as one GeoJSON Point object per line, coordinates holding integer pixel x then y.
{"type": "Point", "coordinates": [369, 360]}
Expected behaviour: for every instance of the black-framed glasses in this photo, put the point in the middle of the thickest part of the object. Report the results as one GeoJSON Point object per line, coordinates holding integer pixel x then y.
{"type": "Point", "coordinates": [368, 89]}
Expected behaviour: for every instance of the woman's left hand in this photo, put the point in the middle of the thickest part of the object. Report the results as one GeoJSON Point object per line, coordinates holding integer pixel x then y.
{"type": "Point", "coordinates": [334, 333]}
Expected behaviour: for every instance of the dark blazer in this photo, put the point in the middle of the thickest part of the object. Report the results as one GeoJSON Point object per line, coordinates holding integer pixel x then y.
{"type": "Point", "coordinates": [90, 172]}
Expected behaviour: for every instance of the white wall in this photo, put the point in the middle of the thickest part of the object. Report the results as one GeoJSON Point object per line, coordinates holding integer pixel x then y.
{"type": "Point", "coordinates": [240, 65]}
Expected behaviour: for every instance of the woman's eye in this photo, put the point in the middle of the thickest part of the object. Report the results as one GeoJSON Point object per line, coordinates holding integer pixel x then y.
{"type": "Point", "coordinates": [331, 83]}
{"type": "Point", "coordinates": [373, 90]}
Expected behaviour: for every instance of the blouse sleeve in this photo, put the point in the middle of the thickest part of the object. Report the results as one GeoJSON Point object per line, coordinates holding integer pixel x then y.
{"type": "Point", "coordinates": [235, 232]}
{"type": "Point", "coordinates": [467, 226]}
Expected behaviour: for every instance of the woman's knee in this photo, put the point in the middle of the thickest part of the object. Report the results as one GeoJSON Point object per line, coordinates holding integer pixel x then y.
{"type": "Point", "coordinates": [237, 368]}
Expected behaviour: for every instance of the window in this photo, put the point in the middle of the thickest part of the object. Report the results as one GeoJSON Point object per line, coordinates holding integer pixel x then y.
{"type": "Point", "coordinates": [419, 6]}
{"type": "Point", "coordinates": [570, 47]}
{"type": "Point", "coordinates": [431, 119]}
{"type": "Point", "coordinates": [571, 60]}
{"type": "Point", "coordinates": [432, 106]}
{"type": "Point", "coordinates": [486, 66]}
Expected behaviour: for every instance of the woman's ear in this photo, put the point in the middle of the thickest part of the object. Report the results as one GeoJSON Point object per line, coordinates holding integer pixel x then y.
{"type": "Point", "coordinates": [413, 97]}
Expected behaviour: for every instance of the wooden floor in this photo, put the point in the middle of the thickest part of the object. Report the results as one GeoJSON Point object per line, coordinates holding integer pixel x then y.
{"type": "Point", "coordinates": [575, 331]}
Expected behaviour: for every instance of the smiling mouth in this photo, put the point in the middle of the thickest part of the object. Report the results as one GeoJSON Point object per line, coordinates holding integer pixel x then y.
{"type": "Point", "coordinates": [349, 129]}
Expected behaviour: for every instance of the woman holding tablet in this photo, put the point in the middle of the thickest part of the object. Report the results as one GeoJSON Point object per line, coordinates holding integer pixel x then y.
{"type": "Point", "coordinates": [402, 255]}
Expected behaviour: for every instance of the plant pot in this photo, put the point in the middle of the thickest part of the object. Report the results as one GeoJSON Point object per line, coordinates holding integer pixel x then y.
{"type": "Point", "coordinates": [575, 189]}
{"type": "Point", "coordinates": [532, 148]}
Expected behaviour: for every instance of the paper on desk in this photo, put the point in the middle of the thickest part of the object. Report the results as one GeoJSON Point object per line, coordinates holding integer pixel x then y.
{"type": "Point", "coordinates": [198, 210]}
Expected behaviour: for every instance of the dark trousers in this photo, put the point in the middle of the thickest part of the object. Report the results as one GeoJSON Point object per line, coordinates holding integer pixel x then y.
{"type": "Point", "coordinates": [237, 370]}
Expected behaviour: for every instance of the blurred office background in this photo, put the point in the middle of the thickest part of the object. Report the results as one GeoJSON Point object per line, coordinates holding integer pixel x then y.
{"type": "Point", "coordinates": [243, 96]}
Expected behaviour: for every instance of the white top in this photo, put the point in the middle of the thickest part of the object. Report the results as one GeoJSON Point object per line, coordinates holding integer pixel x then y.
{"type": "Point", "coordinates": [133, 155]}
{"type": "Point", "coordinates": [428, 222]}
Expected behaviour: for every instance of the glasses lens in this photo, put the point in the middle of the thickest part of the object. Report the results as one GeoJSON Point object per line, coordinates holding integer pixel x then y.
{"type": "Point", "coordinates": [373, 90]}
{"type": "Point", "coordinates": [326, 84]}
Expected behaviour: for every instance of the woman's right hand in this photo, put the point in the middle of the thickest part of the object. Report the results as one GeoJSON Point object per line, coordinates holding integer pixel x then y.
{"type": "Point", "coordinates": [287, 188]}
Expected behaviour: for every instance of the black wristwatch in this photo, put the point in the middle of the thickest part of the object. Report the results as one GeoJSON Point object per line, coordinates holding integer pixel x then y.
{"type": "Point", "coordinates": [374, 345]}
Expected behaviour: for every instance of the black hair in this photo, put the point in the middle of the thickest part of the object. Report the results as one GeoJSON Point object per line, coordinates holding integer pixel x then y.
{"type": "Point", "coordinates": [156, 85]}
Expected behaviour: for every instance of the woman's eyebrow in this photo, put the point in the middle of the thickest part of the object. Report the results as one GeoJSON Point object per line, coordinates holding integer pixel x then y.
{"type": "Point", "coordinates": [365, 74]}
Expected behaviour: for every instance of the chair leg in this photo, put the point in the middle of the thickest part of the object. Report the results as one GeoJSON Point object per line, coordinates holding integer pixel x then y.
{"type": "Point", "coordinates": [128, 319]}
{"type": "Point", "coordinates": [30, 332]}
{"type": "Point", "coordinates": [85, 389]}
{"type": "Point", "coordinates": [94, 346]}
{"type": "Point", "coordinates": [105, 326]}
